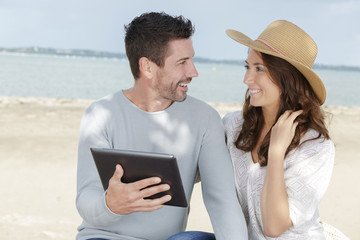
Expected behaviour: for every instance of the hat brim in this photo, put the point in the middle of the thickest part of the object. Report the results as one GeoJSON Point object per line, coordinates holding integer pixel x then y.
{"type": "Point", "coordinates": [313, 79]}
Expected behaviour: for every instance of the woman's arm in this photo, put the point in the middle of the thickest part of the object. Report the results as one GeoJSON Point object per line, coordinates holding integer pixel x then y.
{"type": "Point", "coordinates": [274, 200]}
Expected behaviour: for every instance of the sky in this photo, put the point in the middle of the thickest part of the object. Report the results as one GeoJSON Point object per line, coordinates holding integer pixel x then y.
{"type": "Point", "coordinates": [99, 24]}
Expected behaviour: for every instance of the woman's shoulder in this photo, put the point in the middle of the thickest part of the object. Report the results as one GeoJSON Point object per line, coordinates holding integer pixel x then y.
{"type": "Point", "coordinates": [314, 149]}
{"type": "Point", "coordinates": [313, 137]}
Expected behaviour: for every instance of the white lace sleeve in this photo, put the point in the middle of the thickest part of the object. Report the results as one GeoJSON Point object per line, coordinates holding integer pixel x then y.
{"type": "Point", "coordinates": [307, 175]}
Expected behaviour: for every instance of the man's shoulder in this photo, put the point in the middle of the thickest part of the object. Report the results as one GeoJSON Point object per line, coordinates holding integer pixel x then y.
{"type": "Point", "coordinates": [236, 116]}
{"type": "Point", "coordinates": [107, 102]}
{"type": "Point", "coordinates": [191, 99]}
{"type": "Point", "coordinates": [198, 105]}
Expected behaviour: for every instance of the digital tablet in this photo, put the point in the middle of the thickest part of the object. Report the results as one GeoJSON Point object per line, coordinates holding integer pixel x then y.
{"type": "Point", "coordinates": [138, 165]}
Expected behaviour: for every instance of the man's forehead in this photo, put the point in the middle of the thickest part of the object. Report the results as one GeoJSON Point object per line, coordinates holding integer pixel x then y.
{"type": "Point", "coordinates": [180, 48]}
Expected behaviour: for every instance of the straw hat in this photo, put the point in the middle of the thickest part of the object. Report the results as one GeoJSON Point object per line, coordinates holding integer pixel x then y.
{"type": "Point", "coordinates": [285, 40]}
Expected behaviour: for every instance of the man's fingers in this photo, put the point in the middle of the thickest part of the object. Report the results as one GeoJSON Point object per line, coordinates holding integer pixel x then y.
{"type": "Point", "coordinates": [142, 188]}
{"type": "Point", "coordinates": [146, 182]}
{"type": "Point", "coordinates": [118, 174]}
{"type": "Point", "coordinates": [149, 205]}
{"type": "Point", "coordinates": [148, 209]}
{"type": "Point", "coordinates": [125, 198]}
{"type": "Point", "coordinates": [147, 192]}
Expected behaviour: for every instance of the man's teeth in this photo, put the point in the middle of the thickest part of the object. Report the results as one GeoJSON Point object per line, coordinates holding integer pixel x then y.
{"type": "Point", "coordinates": [183, 84]}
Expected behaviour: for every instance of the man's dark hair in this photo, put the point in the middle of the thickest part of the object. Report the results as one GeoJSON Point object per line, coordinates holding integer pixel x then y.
{"type": "Point", "coordinates": [148, 36]}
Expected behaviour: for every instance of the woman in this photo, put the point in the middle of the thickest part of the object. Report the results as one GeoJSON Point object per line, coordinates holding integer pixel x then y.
{"type": "Point", "coordinates": [280, 147]}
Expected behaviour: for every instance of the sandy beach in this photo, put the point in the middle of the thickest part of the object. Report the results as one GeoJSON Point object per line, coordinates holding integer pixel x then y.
{"type": "Point", "coordinates": [38, 155]}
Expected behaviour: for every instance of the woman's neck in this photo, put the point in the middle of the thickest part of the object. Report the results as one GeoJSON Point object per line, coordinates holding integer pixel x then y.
{"type": "Point", "coordinates": [269, 115]}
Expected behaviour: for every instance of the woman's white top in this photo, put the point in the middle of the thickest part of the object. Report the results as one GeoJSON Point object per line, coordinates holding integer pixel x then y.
{"type": "Point", "coordinates": [307, 173]}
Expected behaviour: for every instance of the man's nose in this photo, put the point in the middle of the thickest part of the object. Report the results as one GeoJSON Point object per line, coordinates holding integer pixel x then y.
{"type": "Point", "coordinates": [192, 71]}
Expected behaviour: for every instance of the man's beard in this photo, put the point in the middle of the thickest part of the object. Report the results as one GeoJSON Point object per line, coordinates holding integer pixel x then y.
{"type": "Point", "coordinates": [171, 92]}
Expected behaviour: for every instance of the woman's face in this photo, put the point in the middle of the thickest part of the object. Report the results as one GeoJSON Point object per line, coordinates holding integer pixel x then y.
{"type": "Point", "coordinates": [263, 91]}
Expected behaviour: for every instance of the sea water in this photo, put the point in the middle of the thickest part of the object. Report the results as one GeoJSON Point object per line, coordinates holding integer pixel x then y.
{"type": "Point", "coordinates": [92, 78]}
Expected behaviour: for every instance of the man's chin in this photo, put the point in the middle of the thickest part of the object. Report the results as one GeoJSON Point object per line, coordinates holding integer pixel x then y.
{"type": "Point", "coordinates": [181, 99]}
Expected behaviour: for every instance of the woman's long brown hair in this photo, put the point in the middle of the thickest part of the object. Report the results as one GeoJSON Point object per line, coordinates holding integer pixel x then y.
{"type": "Point", "coordinates": [296, 94]}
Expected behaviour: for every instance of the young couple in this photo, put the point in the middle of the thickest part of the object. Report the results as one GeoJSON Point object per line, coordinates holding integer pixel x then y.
{"type": "Point", "coordinates": [263, 178]}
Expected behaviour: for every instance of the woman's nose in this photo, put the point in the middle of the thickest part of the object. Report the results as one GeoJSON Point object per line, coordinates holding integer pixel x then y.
{"type": "Point", "coordinates": [248, 78]}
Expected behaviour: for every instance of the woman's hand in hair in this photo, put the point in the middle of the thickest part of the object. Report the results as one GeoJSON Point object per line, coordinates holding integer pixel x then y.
{"type": "Point", "coordinates": [283, 131]}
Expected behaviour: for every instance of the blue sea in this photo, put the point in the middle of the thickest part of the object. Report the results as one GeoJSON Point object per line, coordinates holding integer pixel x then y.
{"type": "Point", "coordinates": [91, 78]}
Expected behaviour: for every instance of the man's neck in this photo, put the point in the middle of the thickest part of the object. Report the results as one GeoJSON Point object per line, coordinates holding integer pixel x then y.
{"type": "Point", "coordinates": [145, 100]}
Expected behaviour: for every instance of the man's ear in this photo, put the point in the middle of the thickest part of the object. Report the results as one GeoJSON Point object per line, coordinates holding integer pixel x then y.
{"type": "Point", "coordinates": [147, 67]}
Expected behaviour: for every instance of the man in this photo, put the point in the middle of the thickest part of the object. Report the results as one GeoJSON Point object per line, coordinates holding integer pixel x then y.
{"type": "Point", "coordinates": [156, 115]}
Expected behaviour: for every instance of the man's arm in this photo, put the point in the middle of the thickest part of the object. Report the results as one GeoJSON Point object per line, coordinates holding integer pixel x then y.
{"type": "Point", "coordinates": [90, 199]}
{"type": "Point", "coordinates": [218, 184]}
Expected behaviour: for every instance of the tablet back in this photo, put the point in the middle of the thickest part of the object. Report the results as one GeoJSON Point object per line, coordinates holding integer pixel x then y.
{"type": "Point", "coordinates": [138, 165]}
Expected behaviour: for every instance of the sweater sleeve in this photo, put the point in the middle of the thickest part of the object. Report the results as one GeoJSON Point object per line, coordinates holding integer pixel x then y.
{"type": "Point", "coordinates": [307, 178]}
{"type": "Point", "coordinates": [90, 199]}
{"type": "Point", "coordinates": [218, 183]}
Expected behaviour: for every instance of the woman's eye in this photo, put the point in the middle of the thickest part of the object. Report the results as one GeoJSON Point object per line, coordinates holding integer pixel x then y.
{"type": "Point", "coordinates": [246, 67]}
{"type": "Point", "coordinates": [259, 69]}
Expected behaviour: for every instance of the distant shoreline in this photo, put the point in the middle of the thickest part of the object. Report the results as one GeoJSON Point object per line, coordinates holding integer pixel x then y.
{"type": "Point", "coordinates": [121, 56]}
{"type": "Point", "coordinates": [222, 107]}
